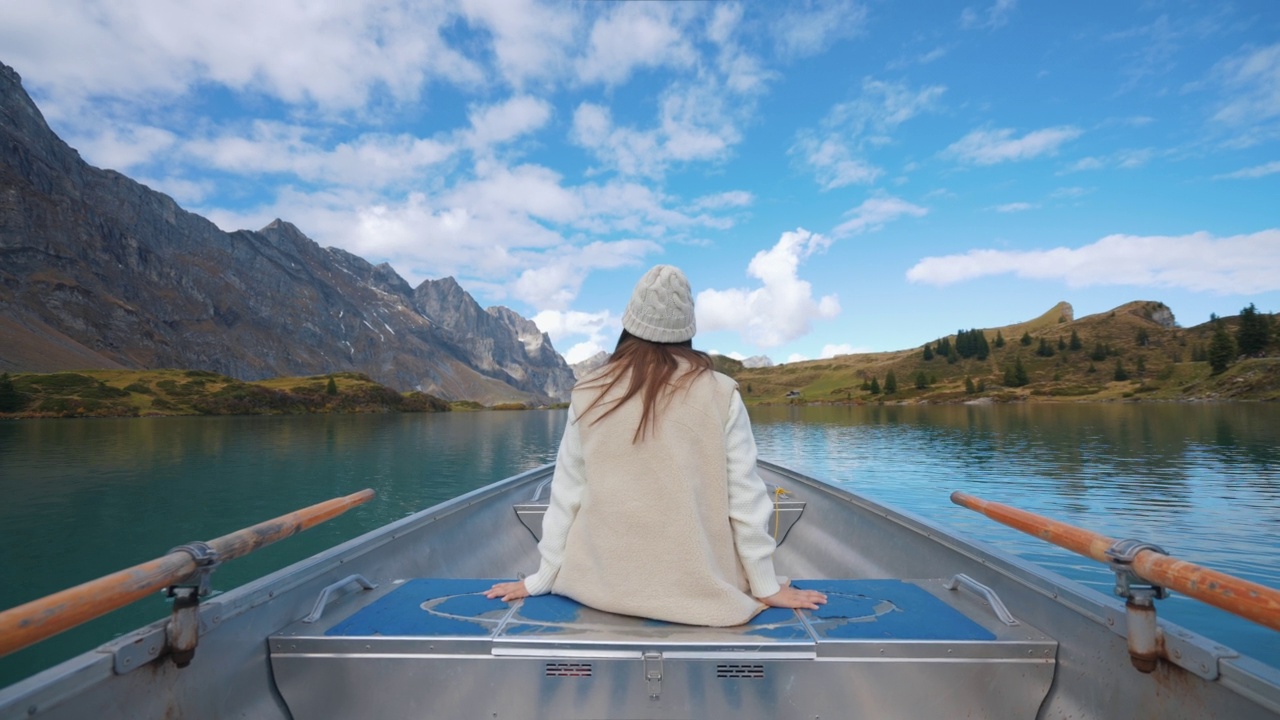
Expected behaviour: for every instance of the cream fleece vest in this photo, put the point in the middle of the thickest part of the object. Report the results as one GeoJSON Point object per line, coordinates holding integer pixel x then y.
{"type": "Point", "coordinates": [652, 537]}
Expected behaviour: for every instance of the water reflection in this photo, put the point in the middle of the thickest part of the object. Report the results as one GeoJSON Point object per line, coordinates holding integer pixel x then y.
{"type": "Point", "coordinates": [1201, 480]}
{"type": "Point", "coordinates": [88, 497]}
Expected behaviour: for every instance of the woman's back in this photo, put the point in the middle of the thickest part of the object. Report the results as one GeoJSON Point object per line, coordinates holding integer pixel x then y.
{"type": "Point", "coordinates": [653, 536]}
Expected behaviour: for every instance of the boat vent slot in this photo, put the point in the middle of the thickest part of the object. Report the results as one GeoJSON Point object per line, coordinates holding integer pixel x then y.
{"type": "Point", "coordinates": [738, 671]}
{"type": "Point", "coordinates": [568, 669]}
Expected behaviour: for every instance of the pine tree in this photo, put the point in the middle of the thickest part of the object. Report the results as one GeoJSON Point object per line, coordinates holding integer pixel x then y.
{"type": "Point", "coordinates": [1026, 338]}
{"type": "Point", "coordinates": [1020, 373]}
{"type": "Point", "coordinates": [332, 388]}
{"type": "Point", "coordinates": [1222, 348]}
{"type": "Point", "coordinates": [999, 340]}
{"type": "Point", "coordinates": [875, 386]}
{"type": "Point", "coordinates": [922, 381]}
{"type": "Point", "coordinates": [928, 352]}
{"type": "Point", "coordinates": [1045, 350]}
{"type": "Point", "coordinates": [1075, 343]}
{"type": "Point", "coordinates": [1062, 344]}
{"type": "Point", "coordinates": [10, 399]}
{"type": "Point", "coordinates": [1120, 374]}
{"type": "Point", "coordinates": [866, 384]}
{"type": "Point", "coordinates": [1143, 338]}
{"type": "Point", "coordinates": [1099, 353]}
{"type": "Point", "coordinates": [1254, 332]}
{"type": "Point", "coordinates": [968, 386]}
{"type": "Point", "coordinates": [890, 383]}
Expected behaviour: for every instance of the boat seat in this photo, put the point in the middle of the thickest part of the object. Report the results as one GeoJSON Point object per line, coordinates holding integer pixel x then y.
{"type": "Point", "coordinates": [787, 511]}
{"type": "Point", "coordinates": [409, 648]}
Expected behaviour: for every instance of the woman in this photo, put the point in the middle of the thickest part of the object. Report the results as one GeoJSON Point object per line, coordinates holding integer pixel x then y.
{"type": "Point", "coordinates": [656, 508]}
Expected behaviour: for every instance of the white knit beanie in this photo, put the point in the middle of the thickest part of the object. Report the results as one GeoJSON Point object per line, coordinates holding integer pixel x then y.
{"type": "Point", "coordinates": [661, 307]}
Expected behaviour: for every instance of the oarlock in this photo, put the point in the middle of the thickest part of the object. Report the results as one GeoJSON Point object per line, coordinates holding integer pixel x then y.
{"type": "Point", "coordinates": [1140, 596]}
{"type": "Point", "coordinates": [183, 630]}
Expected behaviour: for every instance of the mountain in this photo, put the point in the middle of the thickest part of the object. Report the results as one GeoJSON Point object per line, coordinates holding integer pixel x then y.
{"type": "Point", "coordinates": [758, 361]}
{"type": "Point", "coordinates": [1135, 351]}
{"type": "Point", "coordinates": [99, 271]}
{"type": "Point", "coordinates": [582, 367]}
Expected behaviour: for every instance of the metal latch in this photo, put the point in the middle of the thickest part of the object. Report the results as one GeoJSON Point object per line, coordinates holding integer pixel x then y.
{"type": "Point", "coordinates": [653, 673]}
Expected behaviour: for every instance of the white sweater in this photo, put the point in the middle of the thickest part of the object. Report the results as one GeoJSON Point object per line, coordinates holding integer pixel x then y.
{"type": "Point", "coordinates": [749, 510]}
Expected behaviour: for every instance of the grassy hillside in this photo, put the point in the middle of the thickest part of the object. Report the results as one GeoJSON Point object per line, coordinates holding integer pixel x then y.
{"type": "Point", "coordinates": [1131, 352]}
{"type": "Point", "coordinates": [122, 393]}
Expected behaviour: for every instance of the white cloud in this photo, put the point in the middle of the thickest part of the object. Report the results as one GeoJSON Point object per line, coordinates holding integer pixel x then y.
{"type": "Point", "coordinates": [1199, 262]}
{"type": "Point", "coordinates": [830, 351]}
{"type": "Point", "coordinates": [121, 146]}
{"type": "Point", "coordinates": [809, 27]}
{"type": "Point", "coordinates": [988, 147]}
{"type": "Point", "coordinates": [729, 199]}
{"type": "Point", "coordinates": [332, 54]}
{"type": "Point", "coordinates": [695, 123]}
{"type": "Point", "coordinates": [371, 160]}
{"type": "Point", "coordinates": [1251, 82]}
{"type": "Point", "coordinates": [874, 212]}
{"type": "Point", "coordinates": [1256, 171]}
{"type": "Point", "coordinates": [1086, 163]}
{"type": "Point", "coordinates": [505, 121]}
{"type": "Point", "coordinates": [553, 283]}
{"type": "Point", "coordinates": [995, 16]}
{"type": "Point", "coordinates": [630, 36]}
{"type": "Point", "coordinates": [848, 129]}
{"type": "Point", "coordinates": [601, 330]}
{"type": "Point", "coordinates": [1070, 193]}
{"type": "Point", "coordinates": [1014, 207]}
{"type": "Point", "coordinates": [782, 308]}
{"type": "Point", "coordinates": [531, 39]}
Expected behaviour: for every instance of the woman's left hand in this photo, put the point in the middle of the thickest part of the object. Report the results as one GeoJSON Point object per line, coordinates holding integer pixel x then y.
{"type": "Point", "coordinates": [508, 591]}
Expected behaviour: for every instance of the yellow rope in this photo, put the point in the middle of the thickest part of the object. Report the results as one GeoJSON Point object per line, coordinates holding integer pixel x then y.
{"type": "Point", "coordinates": [778, 493]}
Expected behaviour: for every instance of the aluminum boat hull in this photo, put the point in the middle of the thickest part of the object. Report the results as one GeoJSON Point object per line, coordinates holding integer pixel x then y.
{"type": "Point", "coordinates": [1078, 666]}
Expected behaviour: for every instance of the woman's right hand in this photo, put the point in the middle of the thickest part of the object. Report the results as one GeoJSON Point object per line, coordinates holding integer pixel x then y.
{"type": "Point", "coordinates": [790, 597]}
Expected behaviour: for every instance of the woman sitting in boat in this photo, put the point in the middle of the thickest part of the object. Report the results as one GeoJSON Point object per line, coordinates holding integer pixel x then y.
{"type": "Point", "coordinates": [656, 508]}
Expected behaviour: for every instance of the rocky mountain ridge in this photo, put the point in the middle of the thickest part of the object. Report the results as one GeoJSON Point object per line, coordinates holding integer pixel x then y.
{"type": "Point", "coordinates": [99, 271]}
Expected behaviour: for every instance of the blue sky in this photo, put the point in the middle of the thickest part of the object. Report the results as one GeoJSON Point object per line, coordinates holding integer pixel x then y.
{"type": "Point", "coordinates": [833, 177]}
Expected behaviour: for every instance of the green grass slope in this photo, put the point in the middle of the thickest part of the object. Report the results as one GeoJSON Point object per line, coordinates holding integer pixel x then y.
{"type": "Point", "coordinates": [1124, 354]}
{"type": "Point", "coordinates": [123, 393]}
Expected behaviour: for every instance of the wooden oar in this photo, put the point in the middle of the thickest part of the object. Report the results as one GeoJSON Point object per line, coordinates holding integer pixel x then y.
{"type": "Point", "coordinates": [1250, 600]}
{"type": "Point", "coordinates": [30, 623]}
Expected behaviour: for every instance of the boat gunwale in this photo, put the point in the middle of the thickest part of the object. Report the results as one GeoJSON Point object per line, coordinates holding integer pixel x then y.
{"type": "Point", "coordinates": [67, 678]}
{"type": "Point", "coordinates": [1246, 675]}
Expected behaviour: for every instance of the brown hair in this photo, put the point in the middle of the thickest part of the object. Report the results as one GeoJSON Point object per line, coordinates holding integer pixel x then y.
{"type": "Point", "coordinates": [649, 369]}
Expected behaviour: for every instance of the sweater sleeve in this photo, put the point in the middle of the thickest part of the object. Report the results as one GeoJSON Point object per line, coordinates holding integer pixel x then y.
{"type": "Point", "coordinates": [749, 504]}
{"type": "Point", "coordinates": [566, 497]}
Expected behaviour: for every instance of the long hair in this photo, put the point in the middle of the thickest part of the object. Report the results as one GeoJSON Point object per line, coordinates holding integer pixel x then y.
{"type": "Point", "coordinates": [649, 370]}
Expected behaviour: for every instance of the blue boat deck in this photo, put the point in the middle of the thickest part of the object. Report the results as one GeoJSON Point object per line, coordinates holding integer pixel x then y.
{"type": "Point", "coordinates": [885, 610]}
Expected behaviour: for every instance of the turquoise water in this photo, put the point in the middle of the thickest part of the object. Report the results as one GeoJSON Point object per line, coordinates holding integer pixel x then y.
{"type": "Point", "coordinates": [87, 497]}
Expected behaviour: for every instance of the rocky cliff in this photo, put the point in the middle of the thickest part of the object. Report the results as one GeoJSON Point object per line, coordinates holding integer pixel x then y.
{"type": "Point", "coordinates": [97, 270]}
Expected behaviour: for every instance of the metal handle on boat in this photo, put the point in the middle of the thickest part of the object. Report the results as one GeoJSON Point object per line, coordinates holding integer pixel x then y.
{"type": "Point", "coordinates": [1249, 600]}
{"type": "Point", "coordinates": [997, 605]}
{"type": "Point", "coordinates": [323, 600]}
{"type": "Point", "coordinates": [30, 623]}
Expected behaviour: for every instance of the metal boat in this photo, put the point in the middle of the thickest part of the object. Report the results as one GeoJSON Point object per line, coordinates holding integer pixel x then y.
{"type": "Point", "coordinates": [920, 623]}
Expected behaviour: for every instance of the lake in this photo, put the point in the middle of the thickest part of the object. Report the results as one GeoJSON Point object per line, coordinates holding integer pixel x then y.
{"type": "Point", "coordinates": [87, 497]}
